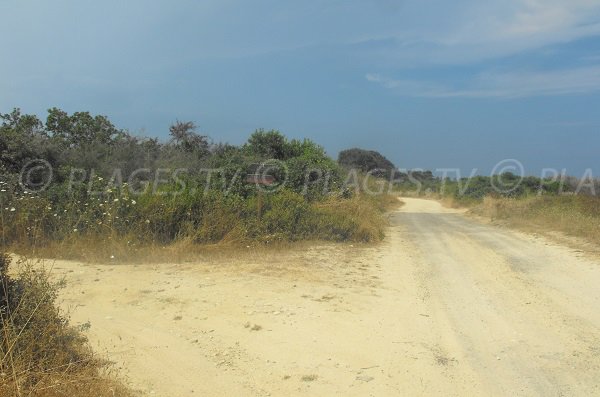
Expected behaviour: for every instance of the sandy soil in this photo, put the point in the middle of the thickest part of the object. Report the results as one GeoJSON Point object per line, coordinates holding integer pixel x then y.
{"type": "Point", "coordinates": [445, 307]}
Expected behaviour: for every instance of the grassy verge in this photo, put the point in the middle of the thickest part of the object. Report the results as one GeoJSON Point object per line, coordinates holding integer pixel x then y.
{"type": "Point", "coordinates": [572, 215]}
{"type": "Point", "coordinates": [41, 354]}
{"type": "Point", "coordinates": [158, 228]}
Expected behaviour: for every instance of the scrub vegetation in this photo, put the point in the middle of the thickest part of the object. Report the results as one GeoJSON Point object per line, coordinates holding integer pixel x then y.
{"type": "Point", "coordinates": [76, 180]}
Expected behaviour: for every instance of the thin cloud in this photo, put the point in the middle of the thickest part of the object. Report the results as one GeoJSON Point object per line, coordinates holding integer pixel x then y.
{"type": "Point", "coordinates": [531, 20]}
{"type": "Point", "coordinates": [582, 80]}
{"type": "Point", "coordinates": [487, 30]}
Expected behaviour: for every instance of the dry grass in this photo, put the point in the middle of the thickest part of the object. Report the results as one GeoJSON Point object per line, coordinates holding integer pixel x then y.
{"type": "Point", "coordinates": [573, 215]}
{"type": "Point", "coordinates": [179, 252]}
{"type": "Point", "coordinates": [40, 353]}
{"type": "Point", "coordinates": [59, 383]}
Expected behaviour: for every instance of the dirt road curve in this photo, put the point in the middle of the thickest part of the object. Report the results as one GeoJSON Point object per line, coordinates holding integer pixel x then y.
{"type": "Point", "coordinates": [445, 307]}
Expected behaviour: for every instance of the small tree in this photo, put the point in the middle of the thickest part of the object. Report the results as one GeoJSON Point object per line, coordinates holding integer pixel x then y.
{"type": "Point", "coordinates": [185, 137]}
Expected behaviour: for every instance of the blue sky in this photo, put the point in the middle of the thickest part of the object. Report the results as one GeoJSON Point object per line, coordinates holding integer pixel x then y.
{"type": "Point", "coordinates": [428, 83]}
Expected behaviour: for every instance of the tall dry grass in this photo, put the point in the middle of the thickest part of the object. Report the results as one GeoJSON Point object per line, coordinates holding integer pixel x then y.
{"type": "Point", "coordinates": [41, 354]}
{"type": "Point", "coordinates": [572, 215]}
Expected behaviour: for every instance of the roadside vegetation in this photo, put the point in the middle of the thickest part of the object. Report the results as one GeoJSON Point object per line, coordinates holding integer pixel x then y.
{"type": "Point", "coordinates": [574, 215]}
{"type": "Point", "coordinates": [41, 353]}
{"type": "Point", "coordinates": [76, 180]}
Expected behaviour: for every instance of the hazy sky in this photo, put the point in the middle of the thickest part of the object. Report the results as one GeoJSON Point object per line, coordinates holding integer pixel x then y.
{"type": "Point", "coordinates": [428, 83]}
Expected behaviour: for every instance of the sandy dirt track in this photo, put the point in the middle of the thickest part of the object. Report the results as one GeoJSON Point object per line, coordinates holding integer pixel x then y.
{"type": "Point", "coordinates": [445, 306]}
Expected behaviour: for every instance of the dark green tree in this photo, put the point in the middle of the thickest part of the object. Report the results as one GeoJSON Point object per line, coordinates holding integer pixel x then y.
{"type": "Point", "coordinates": [80, 128]}
{"type": "Point", "coordinates": [22, 139]}
{"type": "Point", "coordinates": [267, 145]}
{"type": "Point", "coordinates": [366, 161]}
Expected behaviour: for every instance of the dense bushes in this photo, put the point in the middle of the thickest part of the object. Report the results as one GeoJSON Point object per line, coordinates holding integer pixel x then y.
{"type": "Point", "coordinates": [108, 185]}
{"type": "Point", "coordinates": [82, 146]}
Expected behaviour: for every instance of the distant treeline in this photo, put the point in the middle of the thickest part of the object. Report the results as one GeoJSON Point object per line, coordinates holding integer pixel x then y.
{"type": "Point", "coordinates": [92, 143]}
{"type": "Point", "coordinates": [424, 182]}
{"type": "Point", "coordinates": [505, 185]}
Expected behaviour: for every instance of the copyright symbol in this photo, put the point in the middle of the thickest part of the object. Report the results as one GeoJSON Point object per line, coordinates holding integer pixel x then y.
{"type": "Point", "coordinates": [507, 176]}
{"type": "Point", "coordinates": [36, 175]}
{"type": "Point", "coordinates": [274, 173]}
